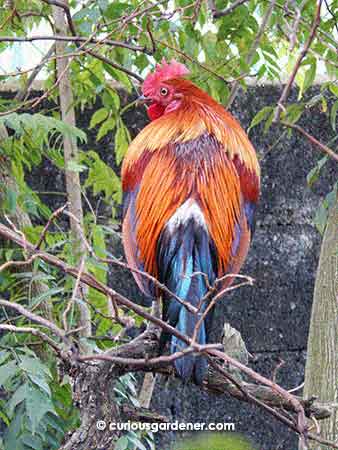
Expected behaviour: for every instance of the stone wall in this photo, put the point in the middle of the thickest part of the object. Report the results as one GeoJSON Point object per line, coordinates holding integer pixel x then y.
{"type": "Point", "coordinates": [273, 316]}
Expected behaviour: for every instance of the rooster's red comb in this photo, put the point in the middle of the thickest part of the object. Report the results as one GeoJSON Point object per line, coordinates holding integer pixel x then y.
{"type": "Point", "coordinates": [164, 71]}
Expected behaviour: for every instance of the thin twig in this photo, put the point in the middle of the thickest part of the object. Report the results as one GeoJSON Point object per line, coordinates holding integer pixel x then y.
{"type": "Point", "coordinates": [149, 362]}
{"type": "Point", "coordinates": [161, 286]}
{"type": "Point", "coordinates": [74, 39]}
{"type": "Point", "coordinates": [23, 93]}
{"type": "Point", "coordinates": [55, 214]}
{"type": "Point", "coordinates": [212, 304]}
{"type": "Point", "coordinates": [153, 44]}
{"type": "Point", "coordinates": [324, 148]}
{"type": "Point", "coordinates": [303, 53]}
{"type": "Point", "coordinates": [74, 294]}
{"type": "Point", "coordinates": [34, 317]}
{"type": "Point", "coordinates": [34, 331]}
{"type": "Point", "coordinates": [301, 426]}
{"type": "Point", "coordinates": [225, 12]}
{"type": "Point", "coordinates": [252, 51]}
{"type": "Point", "coordinates": [308, 26]}
{"type": "Point", "coordinates": [66, 9]}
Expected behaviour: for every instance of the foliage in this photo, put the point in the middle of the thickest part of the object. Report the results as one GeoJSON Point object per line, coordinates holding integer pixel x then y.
{"type": "Point", "coordinates": [222, 52]}
{"type": "Point", "coordinates": [37, 412]}
{"type": "Point", "coordinates": [215, 441]}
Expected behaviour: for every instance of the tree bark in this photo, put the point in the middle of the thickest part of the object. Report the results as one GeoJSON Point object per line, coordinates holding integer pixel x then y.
{"type": "Point", "coordinates": [73, 186]}
{"type": "Point", "coordinates": [321, 373]}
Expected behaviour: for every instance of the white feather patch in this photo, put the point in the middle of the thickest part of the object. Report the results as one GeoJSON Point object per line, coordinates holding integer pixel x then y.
{"type": "Point", "coordinates": [188, 210]}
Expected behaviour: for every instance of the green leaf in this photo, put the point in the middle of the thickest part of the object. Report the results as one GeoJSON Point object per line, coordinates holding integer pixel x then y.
{"type": "Point", "coordinates": [10, 200]}
{"type": "Point", "coordinates": [73, 166]}
{"type": "Point", "coordinates": [137, 442]}
{"type": "Point", "coordinates": [4, 354]}
{"type": "Point", "coordinates": [107, 126]}
{"type": "Point", "coordinates": [41, 383]}
{"type": "Point", "coordinates": [19, 396]}
{"type": "Point", "coordinates": [114, 99]}
{"type": "Point", "coordinates": [119, 76]}
{"type": "Point", "coordinates": [46, 295]}
{"type": "Point", "coordinates": [310, 75]}
{"type": "Point", "coordinates": [31, 441]}
{"type": "Point", "coordinates": [334, 89]}
{"type": "Point", "coordinates": [122, 443]}
{"type": "Point", "coordinates": [294, 111]}
{"type": "Point", "coordinates": [54, 422]}
{"type": "Point", "coordinates": [214, 441]}
{"type": "Point", "coordinates": [121, 143]}
{"type": "Point", "coordinates": [99, 116]}
{"type": "Point", "coordinates": [5, 419]}
{"type": "Point", "coordinates": [261, 115]}
{"type": "Point", "coordinates": [314, 173]}
{"type": "Point", "coordinates": [7, 371]}
{"type": "Point", "coordinates": [320, 218]}
{"type": "Point", "coordinates": [34, 366]}
{"type": "Point", "coordinates": [333, 115]}
{"type": "Point", "coordinates": [101, 178]}
{"type": "Point", "coordinates": [98, 241]}
{"type": "Point", "coordinates": [37, 405]}
{"type": "Point", "coordinates": [11, 435]}
{"type": "Point", "coordinates": [116, 9]}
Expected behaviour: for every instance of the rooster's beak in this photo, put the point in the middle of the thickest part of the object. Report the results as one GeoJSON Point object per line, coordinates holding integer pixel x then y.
{"type": "Point", "coordinates": [142, 99]}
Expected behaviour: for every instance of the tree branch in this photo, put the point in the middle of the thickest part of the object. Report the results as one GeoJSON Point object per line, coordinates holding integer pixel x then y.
{"type": "Point", "coordinates": [130, 356]}
{"type": "Point", "coordinates": [65, 7]}
{"type": "Point", "coordinates": [253, 49]}
{"type": "Point", "coordinates": [75, 39]}
{"type": "Point", "coordinates": [23, 93]}
{"type": "Point", "coordinates": [324, 148]}
{"type": "Point", "coordinates": [35, 332]}
{"type": "Point", "coordinates": [287, 88]}
{"type": "Point", "coordinates": [34, 318]}
{"type": "Point", "coordinates": [224, 12]}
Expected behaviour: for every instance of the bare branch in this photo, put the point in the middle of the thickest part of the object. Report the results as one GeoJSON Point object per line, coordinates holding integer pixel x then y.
{"type": "Point", "coordinates": [96, 55]}
{"type": "Point", "coordinates": [124, 355]}
{"type": "Point", "coordinates": [298, 408]}
{"type": "Point", "coordinates": [303, 53]}
{"type": "Point", "coordinates": [91, 281]}
{"type": "Point", "coordinates": [308, 26]}
{"type": "Point", "coordinates": [23, 93]}
{"type": "Point", "coordinates": [74, 294]}
{"type": "Point", "coordinates": [324, 148]}
{"type": "Point", "coordinates": [212, 304]}
{"type": "Point", "coordinates": [66, 9]}
{"type": "Point", "coordinates": [34, 317]}
{"type": "Point", "coordinates": [148, 363]}
{"type": "Point", "coordinates": [75, 39]}
{"type": "Point", "coordinates": [191, 59]}
{"type": "Point", "coordinates": [55, 214]}
{"type": "Point", "coordinates": [116, 262]}
{"type": "Point", "coordinates": [251, 54]}
{"type": "Point", "coordinates": [225, 12]}
{"type": "Point", "coordinates": [34, 331]}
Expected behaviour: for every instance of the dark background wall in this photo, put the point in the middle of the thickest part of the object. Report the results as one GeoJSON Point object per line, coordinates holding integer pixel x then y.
{"type": "Point", "coordinates": [273, 316]}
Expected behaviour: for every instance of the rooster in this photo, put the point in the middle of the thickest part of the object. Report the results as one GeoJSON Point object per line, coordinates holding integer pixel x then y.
{"type": "Point", "coordinates": [191, 183]}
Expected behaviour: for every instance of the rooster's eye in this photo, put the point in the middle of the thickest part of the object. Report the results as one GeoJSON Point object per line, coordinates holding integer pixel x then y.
{"type": "Point", "coordinates": [163, 91]}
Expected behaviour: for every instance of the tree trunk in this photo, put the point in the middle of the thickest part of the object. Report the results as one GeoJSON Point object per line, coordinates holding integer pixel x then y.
{"type": "Point", "coordinates": [321, 373]}
{"type": "Point", "coordinates": [73, 186]}
{"type": "Point", "coordinates": [93, 393]}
